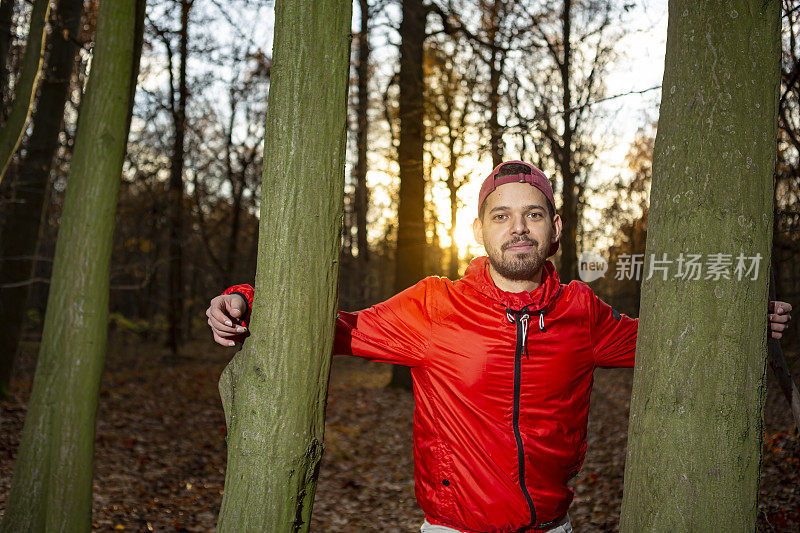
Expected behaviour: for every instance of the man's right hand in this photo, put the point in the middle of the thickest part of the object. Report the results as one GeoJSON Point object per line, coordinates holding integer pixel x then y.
{"type": "Point", "coordinates": [224, 314]}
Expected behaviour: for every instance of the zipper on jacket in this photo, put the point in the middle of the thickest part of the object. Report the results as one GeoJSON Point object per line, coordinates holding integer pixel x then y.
{"type": "Point", "coordinates": [521, 320]}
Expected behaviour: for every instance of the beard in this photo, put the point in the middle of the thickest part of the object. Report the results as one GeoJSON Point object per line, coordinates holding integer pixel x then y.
{"type": "Point", "coordinates": [516, 266]}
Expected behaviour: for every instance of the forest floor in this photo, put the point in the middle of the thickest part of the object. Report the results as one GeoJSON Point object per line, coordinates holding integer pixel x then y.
{"type": "Point", "coordinates": [160, 448]}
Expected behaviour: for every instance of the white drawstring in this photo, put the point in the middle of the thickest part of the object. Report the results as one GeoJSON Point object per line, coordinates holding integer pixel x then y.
{"type": "Point", "coordinates": [524, 320]}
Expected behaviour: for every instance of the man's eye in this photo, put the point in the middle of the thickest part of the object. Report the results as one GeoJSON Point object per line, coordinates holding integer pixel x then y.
{"type": "Point", "coordinates": [499, 217]}
{"type": "Point", "coordinates": [535, 215]}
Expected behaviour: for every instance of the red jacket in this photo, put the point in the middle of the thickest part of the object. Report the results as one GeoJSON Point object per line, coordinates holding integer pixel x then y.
{"type": "Point", "coordinates": [501, 389]}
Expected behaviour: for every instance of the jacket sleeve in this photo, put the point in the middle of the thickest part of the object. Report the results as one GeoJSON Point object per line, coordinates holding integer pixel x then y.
{"type": "Point", "coordinates": [246, 292]}
{"type": "Point", "coordinates": [613, 334]}
{"type": "Point", "coordinates": [394, 331]}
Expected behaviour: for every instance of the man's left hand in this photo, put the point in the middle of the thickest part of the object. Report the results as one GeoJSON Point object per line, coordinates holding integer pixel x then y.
{"type": "Point", "coordinates": [779, 318]}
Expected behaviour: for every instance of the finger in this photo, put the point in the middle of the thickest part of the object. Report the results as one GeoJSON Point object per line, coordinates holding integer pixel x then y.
{"type": "Point", "coordinates": [774, 326]}
{"type": "Point", "coordinates": [779, 318]}
{"type": "Point", "coordinates": [223, 341]}
{"type": "Point", "coordinates": [220, 315]}
{"type": "Point", "coordinates": [235, 305]}
{"type": "Point", "coordinates": [224, 328]}
{"type": "Point", "coordinates": [780, 308]}
{"type": "Point", "coordinates": [776, 335]}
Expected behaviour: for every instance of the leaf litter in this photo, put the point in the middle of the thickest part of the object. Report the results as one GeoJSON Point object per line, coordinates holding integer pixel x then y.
{"type": "Point", "coordinates": [160, 447]}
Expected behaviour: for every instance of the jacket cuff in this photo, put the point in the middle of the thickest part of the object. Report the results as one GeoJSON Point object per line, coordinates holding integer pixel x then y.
{"type": "Point", "coordinates": [246, 315]}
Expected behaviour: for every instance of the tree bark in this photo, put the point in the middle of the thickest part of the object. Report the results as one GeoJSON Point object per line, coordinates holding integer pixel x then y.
{"type": "Point", "coordinates": [274, 390]}
{"type": "Point", "coordinates": [176, 189]}
{"type": "Point", "coordinates": [25, 86]}
{"type": "Point", "coordinates": [411, 239]}
{"type": "Point", "coordinates": [52, 485]}
{"type": "Point", "coordinates": [696, 425]}
{"type": "Point", "coordinates": [362, 125]}
{"type": "Point", "coordinates": [20, 228]}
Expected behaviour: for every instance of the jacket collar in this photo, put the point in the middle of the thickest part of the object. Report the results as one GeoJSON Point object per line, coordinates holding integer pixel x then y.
{"type": "Point", "coordinates": [543, 298]}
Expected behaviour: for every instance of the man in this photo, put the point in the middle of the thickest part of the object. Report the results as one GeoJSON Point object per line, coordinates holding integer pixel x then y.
{"type": "Point", "coordinates": [502, 362]}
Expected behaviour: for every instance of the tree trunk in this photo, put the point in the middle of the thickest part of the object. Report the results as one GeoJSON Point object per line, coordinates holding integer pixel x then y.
{"type": "Point", "coordinates": [274, 390]}
{"type": "Point", "coordinates": [361, 193]}
{"type": "Point", "coordinates": [20, 228]}
{"type": "Point", "coordinates": [176, 190]}
{"type": "Point", "coordinates": [25, 85]}
{"type": "Point", "coordinates": [696, 425]}
{"type": "Point", "coordinates": [452, 186]}
{"type": "Point", "coordinates": [569, 200]}
{"type": "Point", "coordinates": [453, 263]}
{"type": "Point", "coordinates": [52, 485]}
{"type": "Point", "coordinates": [237, 181]}
{"type": "Point", "coordinates": [411, 240]}
{"type": "Point", "coordinates": [138, 44]}
{"type": "Point", "coordinates": [495, 131]}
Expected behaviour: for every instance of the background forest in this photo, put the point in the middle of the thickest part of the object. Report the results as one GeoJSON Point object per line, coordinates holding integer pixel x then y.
{"type": "Point", "coordinates": [440, 92]}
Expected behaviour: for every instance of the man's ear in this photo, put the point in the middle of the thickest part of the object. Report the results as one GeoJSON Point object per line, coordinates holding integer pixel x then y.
{"type": "Point", "coordinates": [556, 229]}
{"type": "Point", "coordinates": [477, 230]}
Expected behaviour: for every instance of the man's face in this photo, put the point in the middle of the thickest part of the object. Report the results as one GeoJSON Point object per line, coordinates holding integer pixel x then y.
{"type": "Point", "coordinates": [516, 230]}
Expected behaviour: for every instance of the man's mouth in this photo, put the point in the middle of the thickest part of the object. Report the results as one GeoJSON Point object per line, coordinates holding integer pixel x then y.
{"type": "Point", "coordinates": [519, 246]}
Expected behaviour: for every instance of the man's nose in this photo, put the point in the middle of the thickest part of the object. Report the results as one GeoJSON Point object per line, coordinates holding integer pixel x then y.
{"type": "Point", "coordinates": [518, 226]}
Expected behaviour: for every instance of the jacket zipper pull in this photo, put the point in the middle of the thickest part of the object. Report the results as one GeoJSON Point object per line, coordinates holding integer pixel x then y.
{"type": "Point", "coordinates": [524, 320]}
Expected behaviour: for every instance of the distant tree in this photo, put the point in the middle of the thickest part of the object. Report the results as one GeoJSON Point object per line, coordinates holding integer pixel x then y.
{"type": "Point", "coordinates": [411, 239]}
{"type": "Point", "coordinates": [490, 28]}
{"type": "Point", "coordinates": [6, 36]}
{"type": "Point", "coordinates": [25, 85]}
{"type": "Point", "coordinates": [179, 96]}
{"type": "Point", "coordinates": [227, 74]}
{"type": "Point", "coordinates": [274, 390]}
{"type": "Point", "coordinates": [786, 222]}
{"type": "Point", "coordinates": [227, 157]}
{"type": "Point", "coordinates": [19, 229]}
{"type": "Point", "coordinates": [696, 425]}
{"type": "Point", "coordinates": [361, 195]}
{"type": "Point", "coordinates": [627, 216]}
{"type": "Point", "coordinates": [450, 92]}
{"type": "Point", "coordinates": [52, 484]}
{"type": "Point", "coordinates": [559, 73]}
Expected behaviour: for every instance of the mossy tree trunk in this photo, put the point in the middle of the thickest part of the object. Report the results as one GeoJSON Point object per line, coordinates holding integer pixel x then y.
{"type": "Point", "coordinates": [52, 485]}
{"type": "Point", "coordinates": [274, 390]}
{"type": "Point", "coordinates": [696, 425]}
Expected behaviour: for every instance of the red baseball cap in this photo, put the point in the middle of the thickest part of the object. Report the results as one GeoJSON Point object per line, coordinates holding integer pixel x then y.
{"type": "Point", "coordinates": [533, 177]}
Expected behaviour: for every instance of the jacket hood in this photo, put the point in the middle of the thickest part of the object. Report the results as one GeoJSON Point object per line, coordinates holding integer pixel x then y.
{"type": "Point", "coordinates": [541, 299]}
